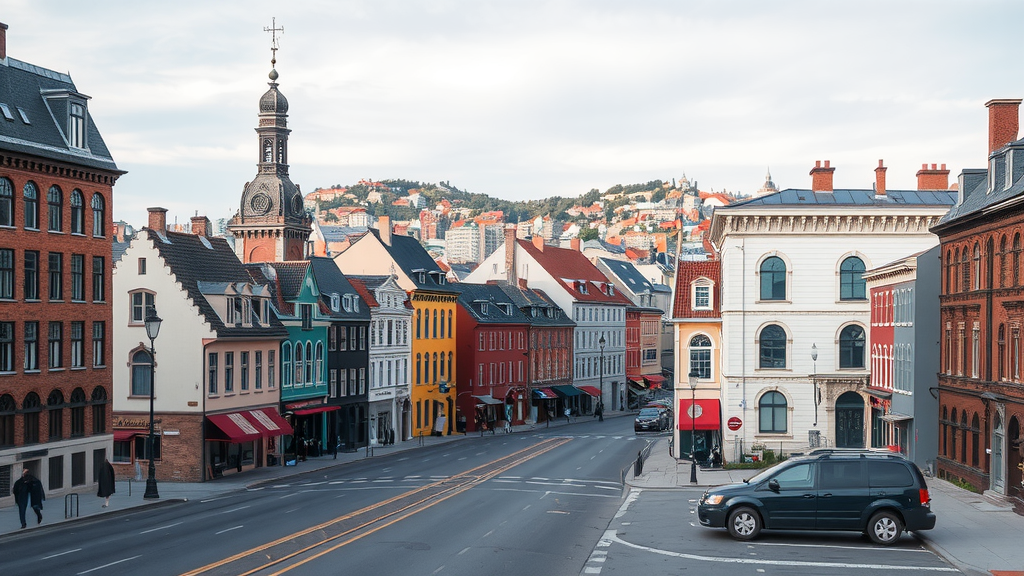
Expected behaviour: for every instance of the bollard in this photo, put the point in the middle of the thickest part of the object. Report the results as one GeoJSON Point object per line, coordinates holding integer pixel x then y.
{"type": "Point", "coordinates": [638, 467]}
{"type": "Point", "coordinates": [71, 505]}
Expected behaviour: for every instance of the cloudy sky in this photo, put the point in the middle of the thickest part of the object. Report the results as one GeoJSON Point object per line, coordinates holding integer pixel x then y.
{"type": "Point", "coordinates": [528, 98]}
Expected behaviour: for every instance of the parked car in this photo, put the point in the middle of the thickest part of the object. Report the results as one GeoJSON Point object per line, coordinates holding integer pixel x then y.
{"type": "Point", "coordinates": [652, 419]}
{"type": "Point", "coordinates": [878, 493]}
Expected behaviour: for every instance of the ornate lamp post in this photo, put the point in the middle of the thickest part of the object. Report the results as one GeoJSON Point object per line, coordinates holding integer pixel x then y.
{"type": "Point", "coordinates": [693, 426]}
{"type": "Point", "coordinates": [152, 330]}
{"type": "Point", "coordinates": [601, 343]}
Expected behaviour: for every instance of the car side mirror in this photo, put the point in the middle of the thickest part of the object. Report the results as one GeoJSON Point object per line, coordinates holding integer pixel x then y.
{"type": "Point", "coordinates": [773, 485]}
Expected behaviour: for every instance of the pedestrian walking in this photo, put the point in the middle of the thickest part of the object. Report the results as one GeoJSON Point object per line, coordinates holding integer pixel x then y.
{"type": "Point", "coordinates": [568, 413]}
{"type": "Point", "coordinates": [599, 412]}
{"type": "Point", "coordinates": [106, 488]}
{"type": "Point", "coordinates": [28, 490]}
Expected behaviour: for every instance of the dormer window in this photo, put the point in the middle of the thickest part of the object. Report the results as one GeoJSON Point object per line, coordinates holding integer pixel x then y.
{"type": "Point", "coordinates": [701, 294]}
{"type": "Point", "coordinates": [76, 125]}
{"type": "Point", "coordinates": [335, 302]}
{"type": "Point", "coordinates": [611, 289]}
{"type": "Point", "coordinates": [583, 288]}
{"type": "Point", "coordinates": [506, 308]}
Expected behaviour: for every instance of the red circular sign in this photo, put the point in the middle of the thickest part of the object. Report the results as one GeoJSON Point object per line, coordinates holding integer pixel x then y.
{"type": "Point", "coordinates": [735, 423]}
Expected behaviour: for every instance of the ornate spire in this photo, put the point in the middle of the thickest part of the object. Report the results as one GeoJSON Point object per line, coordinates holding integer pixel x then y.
{"type": "Point", "coordinates": [273, 47]}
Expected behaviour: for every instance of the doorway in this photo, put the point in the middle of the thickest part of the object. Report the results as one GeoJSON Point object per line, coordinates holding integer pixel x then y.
{"type": "Point", "coordinates": [998, 471]}
{"type": "Point", "coordinates": [850, 421]}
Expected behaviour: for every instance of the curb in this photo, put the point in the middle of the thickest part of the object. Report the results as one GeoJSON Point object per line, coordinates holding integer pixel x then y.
{"type": "Point", "coordinates": [18, 534]}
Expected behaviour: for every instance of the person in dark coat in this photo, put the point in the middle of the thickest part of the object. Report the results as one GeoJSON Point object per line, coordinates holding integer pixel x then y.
{"type": "Point", "coordinates": [28, 490]}
{"type": "Point", "coordinates": [106, 482]}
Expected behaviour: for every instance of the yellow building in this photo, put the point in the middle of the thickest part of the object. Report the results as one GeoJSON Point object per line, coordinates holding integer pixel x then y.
{"type": "Point", "coordinates": [431, 405]}
{"type": "Point", "coordinates": [697, 318]}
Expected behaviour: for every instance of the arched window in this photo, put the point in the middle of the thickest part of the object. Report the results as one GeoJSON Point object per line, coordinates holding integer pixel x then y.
{"type": "Point", "coordinates": [77, 212]}
{"type": "Point", "coordinates": [99, 221]}
{"type": "Point", "coordinates": [965, 271]}
{"type": "Point", "coordinates": [1001, 354]}
{"type": "Point", "coordinates": [433, 331]}
{"type": "Point", "coordinates": [975, 432]}
{"type": "Point", "coordinates": [943, 425]}
{"type": "Point", "coordinates": [99, 410]}
{"type": "Point", "coordinates": [141, 373]}
{"type": "Point", "coordinates": [77, 412]}
{"type": "Point", "coordinates": [949, 272]}
{"type": "Point", "coordinates": [451, 377]}
{"type": "Point", "coordinates": [851, 281]}
{"type": "Point", "coordinates": [963, 436]}
{"type": "Point", "coordinates": [6, 202]}
{"type": "Point", "coordinates": [54, 209]}
{"type": "Point", "coordinates": [286, 364]}
{"type": "Point", "coordinates": [772, 347]}
{"type": "Point", "coordinates": [977, 267]}
{"type": "Point", "coordinates": [309, 363]}
{"type": "Point", "coordinates": [851, 347]}
{"type": "Point", "coordinates": [955, 265]}
{"type": "Point", "coordinates": [419, 368]}
{"type": "Point", "coordinates": [1015, 260]}
{"type": "Point", "coordinates": [952, 434]}
{"type": "Point", "coordinates": [419, 324]}
{"type": "Point", "coordinates": [31, 194]}
{"type": "Point", "coordinates": [772, 413]}
{"type": "Point", "coordinates": [319, 362]}
{"type": "Point", "coordinates": [298, 381]}
{"type": "Point", "coordinates": [55, 414]}
{"type": "Point", "coordinates": [700, 356]}
{"type": "Point", "coordinates": [7, 412]}
{"type": "Point", "coordinates": [30, 409]}
{"type": "Point", "coordinates": [773, 279]}
{"type": "Point", "coordinates": [449, 323]}
{"type": "Point", "coordinates": [442, 323]}
{"type": "Point", "coordinates": [433, 374]}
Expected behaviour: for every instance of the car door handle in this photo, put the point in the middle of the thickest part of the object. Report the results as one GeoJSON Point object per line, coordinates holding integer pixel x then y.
{"type": "Point", "coordinates": [808, 495]}
{"type": "Point", "coordinates": [827, 495]}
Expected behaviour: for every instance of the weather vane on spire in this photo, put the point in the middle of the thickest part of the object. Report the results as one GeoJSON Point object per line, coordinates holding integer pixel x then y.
{"type": "Point", "coordinates": [273, 44]}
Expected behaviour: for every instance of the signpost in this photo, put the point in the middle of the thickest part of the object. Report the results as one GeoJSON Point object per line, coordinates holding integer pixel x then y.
{"type": "Point", "coordinates": [734, 423]}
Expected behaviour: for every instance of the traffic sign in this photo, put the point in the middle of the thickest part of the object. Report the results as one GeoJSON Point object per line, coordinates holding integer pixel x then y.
{"type": "Point", "coordinates": [735, 423]}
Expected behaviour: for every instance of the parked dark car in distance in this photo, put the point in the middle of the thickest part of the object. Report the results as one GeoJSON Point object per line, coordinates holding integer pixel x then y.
{"type": "Point", "coordinates": [652, 419]}
{"type": "Point", "coordinates": [878, 493]}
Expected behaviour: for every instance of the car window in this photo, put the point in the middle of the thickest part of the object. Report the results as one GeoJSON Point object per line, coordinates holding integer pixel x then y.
{"type": "Point", "coordinates": [648, 413]}
{"type": "Point", "coordinates": [796, 477]}
{"type": "Point", "coordinates": [837, 474]}
{"type": "Point", "coordinates": [889, 475]}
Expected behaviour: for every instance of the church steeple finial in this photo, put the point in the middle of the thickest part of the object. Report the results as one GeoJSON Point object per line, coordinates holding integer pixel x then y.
{"type": "Point", "coordinates": [273, 47]}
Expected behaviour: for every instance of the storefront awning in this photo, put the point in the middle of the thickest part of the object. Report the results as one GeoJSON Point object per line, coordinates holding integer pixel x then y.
{"type": "Point", "coordinates": [880, 392]}
{"type": "Point", "coordinates": [896, 417]}
{"type": "Point", "coordinates": [315, 410]}
{"type": "Point", "coordinates": [488, 399]}
{"type": "Point", "coordinates": [636, 381]}
{"type": "Point", "coordinates": [567, 391]}
{"type": "Point", "coordinates": [125, 435]}
{"type": "Point", "coordinates": [707, 415]}
{"type": "Point", "coordinates": [234, 427]}
{"type": "Point", "coordinates": [591, 390]}
{"type": "Point", "coordinates": [544, 393]}
{"type": "Point", "coordinates": [654, 380]}
{"type": "Point", "coordinates": [269, 422]}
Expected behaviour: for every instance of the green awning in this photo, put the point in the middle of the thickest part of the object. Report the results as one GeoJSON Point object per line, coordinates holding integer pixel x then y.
{"type": "Point", "coordinates": [567, 391]}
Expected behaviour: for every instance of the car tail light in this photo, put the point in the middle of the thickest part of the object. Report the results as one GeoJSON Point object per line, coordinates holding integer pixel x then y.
{"type": "Point", "coordinates": [925, 498]}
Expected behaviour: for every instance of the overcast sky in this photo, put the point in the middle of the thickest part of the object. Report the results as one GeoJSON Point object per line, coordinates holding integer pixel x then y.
{"type": "Point", "coordinates": [527, 99]}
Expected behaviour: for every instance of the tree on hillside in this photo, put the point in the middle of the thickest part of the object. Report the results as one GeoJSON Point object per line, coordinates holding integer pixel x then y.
{"type": "Point", "coordinates": [588, 234]}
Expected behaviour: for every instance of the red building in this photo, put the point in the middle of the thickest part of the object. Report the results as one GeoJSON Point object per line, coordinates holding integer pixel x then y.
{"type": "Point", "coordinates": [981, 397]}
{"type": "Point", "coordinates": [493, 338]}
{"type": "Point", "coordinates": [643, 364]}
{"type": "Point", "coordinates": [56, 201]}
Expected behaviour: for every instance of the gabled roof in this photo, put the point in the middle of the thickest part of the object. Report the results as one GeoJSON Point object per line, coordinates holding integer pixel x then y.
{"type": "Point", "coordinates": [196, 260]}
{"type": "Point", "coordinates": [630, 277]}
{"type": "Point", "coordinates": [688, 271]}
{"type": "Point", "coordinates": [23, 85]}
{"type": "Point", "coordinates": [410, 256]}
{"type": "Point", "coordinates": [489, 304]}
{"type": "Point", "coordinates": [367, 287]}
{"type": "Point", "coordinates": [572, 269]}
{"type": "Point", "coordinates": [330, 280]}
{"type": "Point", "coordinates": [284, 279]}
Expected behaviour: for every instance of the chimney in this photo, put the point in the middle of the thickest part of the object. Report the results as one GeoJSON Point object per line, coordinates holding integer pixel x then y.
{"type": "Point", "coordinates": [201, 226]}
{"type": "Point", "coordinates": [157, 219]}
{"type": "Point", "coordinates": [510, 255]}
{"type": "Point", "coordinates": [384, 228]}
{"type": "Point", "coordinates": [3, 41]}
{"type": "Point", "coordinates": [933, 178]}
{"type": "Point", "coordinates": [821, 177]}
{"type": "Point", "coordinates": [880, 179]}
{"type": "Point", "coordinates": [538, 242]}
{"type": "Point", "coordinates": [1003, 121]}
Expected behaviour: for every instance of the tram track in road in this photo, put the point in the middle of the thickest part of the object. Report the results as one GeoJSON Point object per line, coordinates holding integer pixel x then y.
{"type": "Point", "coordinates": [284, 554]}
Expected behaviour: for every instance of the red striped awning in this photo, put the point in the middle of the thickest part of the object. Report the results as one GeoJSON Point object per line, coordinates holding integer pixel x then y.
{"type": "Point", "coordinates": [654, 380]}
{"type": "Point", "coordinates": [591, 390]}
{"type": "Point", "coordinates": [315, 410]}
{"type": "Point", "coordinates": [545, 393]}
{"type": "Point", "coordinates": [234, 427]}
{"type": "Point", "coordinates": [269, 422]}
{"type": "Point", "coordinates": [125, 435]}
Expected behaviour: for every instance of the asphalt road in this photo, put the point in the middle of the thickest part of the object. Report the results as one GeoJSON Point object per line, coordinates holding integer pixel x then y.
{"type": "Point", "coordinates": [519, 504]}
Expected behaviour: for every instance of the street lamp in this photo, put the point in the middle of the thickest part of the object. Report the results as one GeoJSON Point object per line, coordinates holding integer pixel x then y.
{"type": "Point", "coordinates": [814, 380]}
{"type": "Point", "coordinates": [600, 401]}
{"type": "Point", "coordinates": [693, 426]}
{"type": "Point", "coordinates": [152, 330]}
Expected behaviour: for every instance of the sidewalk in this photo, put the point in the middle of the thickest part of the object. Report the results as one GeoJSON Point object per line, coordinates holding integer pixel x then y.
{"type": "Point", "coordinates": [129, 493]}
{"type": "Point", "coordinates": [973, 534]}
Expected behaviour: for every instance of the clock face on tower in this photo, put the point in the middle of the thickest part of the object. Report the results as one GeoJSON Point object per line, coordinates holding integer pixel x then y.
{"type": "Point", "coordinates": [260, 204]}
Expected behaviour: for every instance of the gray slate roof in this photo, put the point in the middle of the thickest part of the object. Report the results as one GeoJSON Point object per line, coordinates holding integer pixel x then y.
{"type": "Point", "coordinates": [631, 277]}
{"type": "Point", "coordinates": [22, 86]}
{"type": "Point", "coordinates": [329, 279]}
{"type": "Point", "coordinates": [193, 262]}
{"type": "Point", "coordinates": [530, 299]}
{"type": "Point", "coordinates": [472, 295]}
{"type": "Point", "coordinates": [849, 197]}
{"type": "Point", "coordinates": [409, 255]}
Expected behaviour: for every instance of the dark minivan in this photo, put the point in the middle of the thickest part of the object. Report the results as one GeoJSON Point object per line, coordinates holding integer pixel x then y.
{"type": "Point", "coordinates": [878, 493]}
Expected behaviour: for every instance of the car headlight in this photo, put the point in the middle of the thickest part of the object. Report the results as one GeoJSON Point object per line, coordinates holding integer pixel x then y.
{"type": "Point", "coordinates": [714, 499]}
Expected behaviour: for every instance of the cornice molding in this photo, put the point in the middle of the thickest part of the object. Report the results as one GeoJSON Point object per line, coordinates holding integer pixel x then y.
{"type": "Point", "coordinates": [827, 224]}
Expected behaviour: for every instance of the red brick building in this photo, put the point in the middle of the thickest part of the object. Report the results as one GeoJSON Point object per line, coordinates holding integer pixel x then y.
{"type": "Point", "coordinates": [56, 201]}
{"type": "Point", "coordinates": [981, 398]}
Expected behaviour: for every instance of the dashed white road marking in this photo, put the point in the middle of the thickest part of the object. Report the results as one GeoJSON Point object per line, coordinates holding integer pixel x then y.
{"type": "Point", "coordinates": [161, 528]}
{"type": "Point", "coordinates": [61, 553]}
{"type": "Point", "coordinates": [227, 530]}
{"type": "Point", "coordinates": [463, 551]}
{"type": "Point", "coordinates": [611, 535]}
{"type": "Point", "coordinates": [236, 509]}
{"type": "Point", "coordinates": [109, 565]}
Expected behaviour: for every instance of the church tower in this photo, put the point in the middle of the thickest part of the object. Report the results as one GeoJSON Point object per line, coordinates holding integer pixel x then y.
{"type": "Point", "coordinates": [271, 223]}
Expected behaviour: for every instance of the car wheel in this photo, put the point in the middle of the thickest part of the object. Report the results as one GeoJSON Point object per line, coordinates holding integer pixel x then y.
{"type": "Point", "coordinates": [885, 528]}
{"type": "Point", "coordinates": [744, 523]}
